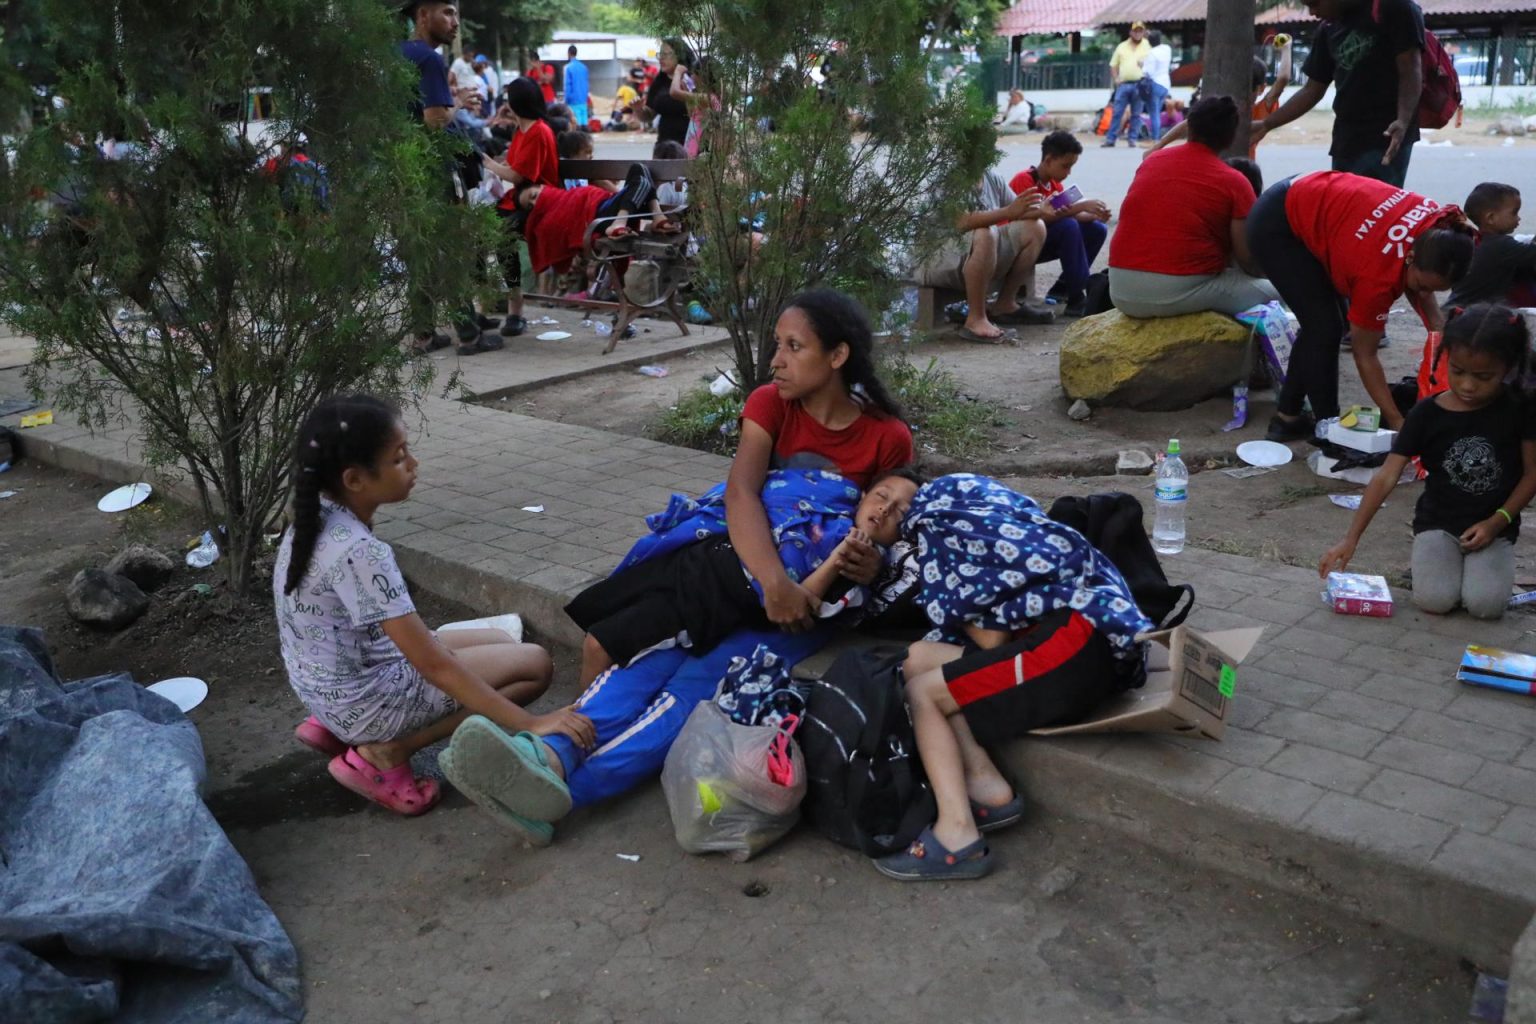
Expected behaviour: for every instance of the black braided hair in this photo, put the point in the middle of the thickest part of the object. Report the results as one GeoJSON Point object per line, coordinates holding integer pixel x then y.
{"type": "Point", "coordinates": [341, 432]}
{"type": "Point", "coordinates": [837, 318]}
{"type": "Point", "coordinates": [1492, 328]}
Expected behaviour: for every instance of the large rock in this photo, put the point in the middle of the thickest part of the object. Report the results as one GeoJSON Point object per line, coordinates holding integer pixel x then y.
{"type": "Point", "coordinates": [147, 568]}
{"type": "Point", "coordinates": [1162, 364]}
{"type": "Point", "coordinates": [103, 599]}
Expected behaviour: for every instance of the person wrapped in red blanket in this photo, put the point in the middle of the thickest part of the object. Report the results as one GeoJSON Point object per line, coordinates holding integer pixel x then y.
{"type": "Point", "coordinates": [556, 230]}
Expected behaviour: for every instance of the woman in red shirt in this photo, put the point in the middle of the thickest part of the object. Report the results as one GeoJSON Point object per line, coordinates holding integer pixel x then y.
{"type": "Point", "coordinates": [825, 407]}
{"type": "Point", "coordinates": [1183, 224]}
{"type": "Point", "coordinates": [1332, 241]}
{"type": "Point", "coordinates": [532, 157]}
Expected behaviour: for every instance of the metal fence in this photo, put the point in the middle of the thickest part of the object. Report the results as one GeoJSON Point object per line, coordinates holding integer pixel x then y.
{"type": "Point", "coordinates": [1064, 75]}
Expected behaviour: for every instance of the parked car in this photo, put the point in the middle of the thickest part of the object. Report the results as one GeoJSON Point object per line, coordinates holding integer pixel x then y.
{"type": "Point", "coordinates": [1472, 69]}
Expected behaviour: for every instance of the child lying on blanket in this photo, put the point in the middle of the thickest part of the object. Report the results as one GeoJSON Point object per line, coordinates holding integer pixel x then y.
{"type": "Point", "coordinates": [1034, 627]}
{"type": "Point", "coordinates": [556, 229]}
{"type": "Point", "coordinates": [685, 585]}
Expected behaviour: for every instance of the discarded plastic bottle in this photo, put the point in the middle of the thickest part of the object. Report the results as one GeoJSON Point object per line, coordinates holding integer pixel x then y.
{"type": "Point", "coordinates": [1172, 496]}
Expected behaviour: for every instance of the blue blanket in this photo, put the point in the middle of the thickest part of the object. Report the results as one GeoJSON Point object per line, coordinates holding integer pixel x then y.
{"type": "Point", "coordinates": [810, 511]}
{"type": "Point", "coordinates": [121, 898]}
{"type": "Point", "coordinates": [989, 556]}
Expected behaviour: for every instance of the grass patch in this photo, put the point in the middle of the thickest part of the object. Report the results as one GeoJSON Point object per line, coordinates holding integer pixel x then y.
{"type": "Point", "coordinates": [704, 421]}
{"type": "Point", "coordinates": [944, 419]}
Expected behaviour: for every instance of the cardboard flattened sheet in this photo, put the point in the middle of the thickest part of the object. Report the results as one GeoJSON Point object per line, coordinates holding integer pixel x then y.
{"type": "Point", "coordinates": [1191, 683]}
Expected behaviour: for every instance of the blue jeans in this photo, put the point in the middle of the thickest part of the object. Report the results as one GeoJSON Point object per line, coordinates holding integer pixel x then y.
{"type": "Point", "coordinates": [639, 710]}
{"type": "Point", "coordinates": [1126, 93]}
{"type": "Point", "coordinates": [1368, 164]}
{"type": "Point", "coordinates": [1155, 109]}
{"type": "Point", "coordinates": [1076, 244]}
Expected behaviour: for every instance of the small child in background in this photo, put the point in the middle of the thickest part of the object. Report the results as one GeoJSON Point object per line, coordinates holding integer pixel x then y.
{"type": "Point", "coordinates": [675, 589]}
{"type": "Point", "coordinates": [379, 685]}
{"type": "Point", "coordinates": [577, 145]}
{"type": "Point", "coordinates": [675, 192]}
{"type": "Point", "coordinates": [1477, 440]}
{"type": "Point", "coordinates": [1503, 269]}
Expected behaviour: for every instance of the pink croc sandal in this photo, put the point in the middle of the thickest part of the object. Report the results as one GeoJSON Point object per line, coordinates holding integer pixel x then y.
{"type": "Point", "coordinates": [395, 789]}
{"type": "Point", "coordinates": [317, 737]}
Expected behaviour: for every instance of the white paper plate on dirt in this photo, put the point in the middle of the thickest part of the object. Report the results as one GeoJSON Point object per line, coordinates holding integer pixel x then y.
{"type": "Point", "coordinates": [1264, 453]}
{"type": "Point", "coordinates": [186, 692]}
{"type": "Point", "coordinates": [125, 497]}
{"type": "Point", "coordinates": [554, 335]}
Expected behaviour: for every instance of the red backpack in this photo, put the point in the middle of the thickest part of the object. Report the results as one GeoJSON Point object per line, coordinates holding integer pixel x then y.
{"type": "Point", "coordinates": [1440, 100]}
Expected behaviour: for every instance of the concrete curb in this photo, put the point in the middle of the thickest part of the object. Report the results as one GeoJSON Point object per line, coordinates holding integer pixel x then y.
{"type": "Point", "coordinates": [1521, 1005]}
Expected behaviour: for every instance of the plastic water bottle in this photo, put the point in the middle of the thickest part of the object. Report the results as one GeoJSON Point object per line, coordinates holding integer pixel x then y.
{"type": "Point", "coordinates": [1172, 495]}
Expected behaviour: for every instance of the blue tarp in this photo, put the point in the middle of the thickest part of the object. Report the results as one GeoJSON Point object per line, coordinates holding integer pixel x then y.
{"type": "Point", "coordinates": [120, 896]}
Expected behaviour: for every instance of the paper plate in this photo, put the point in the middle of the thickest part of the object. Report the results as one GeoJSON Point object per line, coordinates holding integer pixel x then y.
{"type": "Point", "coordinates": [124, 498]}
{"type": "Point", "coordinates": [186, 692]}
{"type": "Point", "coordinates": [554, 335]}
{"type": "Point", "coordinates": [1264, 453]}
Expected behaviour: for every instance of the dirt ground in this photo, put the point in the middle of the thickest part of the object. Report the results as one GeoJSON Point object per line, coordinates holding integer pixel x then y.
{"type": "Point", "coordinates": [446, 918]}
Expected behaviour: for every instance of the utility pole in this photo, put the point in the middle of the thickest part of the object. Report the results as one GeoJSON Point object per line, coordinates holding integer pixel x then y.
{"type": "Point", "coordinates": [1229, 60]}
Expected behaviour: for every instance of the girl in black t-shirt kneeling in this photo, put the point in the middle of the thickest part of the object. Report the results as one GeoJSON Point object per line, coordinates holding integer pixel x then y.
{"type": "Point", "coordinates": [1477, 441]}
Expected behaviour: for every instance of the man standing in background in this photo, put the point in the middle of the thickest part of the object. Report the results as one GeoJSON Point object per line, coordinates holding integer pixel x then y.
{"type": "Point", "coordinates": [1125, 74]}
{"type": "Point", "coordinates": [576, 89]}
{"type": "Point", "coordinates": [1371, 51]}
{"type": "Point", "coordinates": [1155, 79]}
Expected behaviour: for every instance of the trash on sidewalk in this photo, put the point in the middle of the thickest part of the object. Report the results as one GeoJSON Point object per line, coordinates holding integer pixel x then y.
{"type": "Point", "coordinates": [38, 419]}
{"type": "Point", "coordinates": [533, 508]}
{"type": "Point", "coordinates": [1079, 411]}
{"type": "Point", "coordinates": [553, 335]}
{"type": "Point", "coordinates": [722, 385]}
{"type": "Point", "coordinates": [7, 494]}
{"type": "Point", "coordinates": [1517, 601]}
{"type": "Point", "coordinates": [1191, 682]}
{"type": "Point", "coordinates": [1244, 472]}
{"type": "Point", "coordinates": [1498, 669]}
{"type": "Point", "coordinates": [1239, 408]}
{"type": "Point", "coordinates": [631, 857]}
{"type": "Point", "coordinates": [1353, 593]}
{"type": "Point", "coordinates": [1349, 501]}
{"type": "Point", "coordinates": [1488, 998]}
{"type": "Point", "coordinates": [654, 371]}
{"type": "Point", "coordinates": [205, 553]}
{"type": "Point", "coordinates": [123, 498]}
{"type": "Point", "coordinates": [544, 320]}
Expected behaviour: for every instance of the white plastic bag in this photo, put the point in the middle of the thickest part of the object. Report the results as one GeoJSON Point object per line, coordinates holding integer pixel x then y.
{"type": "Point", "coordinates": [718, 789]}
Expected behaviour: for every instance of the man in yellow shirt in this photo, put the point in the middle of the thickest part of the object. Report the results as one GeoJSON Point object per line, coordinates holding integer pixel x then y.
{"type": "Point", "coordinates": [1125, 76]}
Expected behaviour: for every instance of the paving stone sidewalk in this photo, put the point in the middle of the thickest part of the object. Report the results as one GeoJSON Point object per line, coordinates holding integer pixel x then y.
{"type": "Point", "coordinates": [1354, 769]}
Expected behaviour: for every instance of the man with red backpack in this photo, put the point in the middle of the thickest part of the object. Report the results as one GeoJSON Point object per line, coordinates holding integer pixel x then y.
{"type": "Point", "coordinates": [1374, 53]}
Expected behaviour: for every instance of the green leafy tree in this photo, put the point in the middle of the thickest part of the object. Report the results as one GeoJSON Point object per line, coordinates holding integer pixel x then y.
{"type": "Point", "coordinates": [212, 294]}
{"type": "Point", "coordinates": [520, 25]}
{"type": "Point", "coordinates": [619, 19]}
{"type": "Point", "coordinates": [858, 180]}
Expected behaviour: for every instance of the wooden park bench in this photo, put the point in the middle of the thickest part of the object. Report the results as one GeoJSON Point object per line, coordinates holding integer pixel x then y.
{"type": "Point", "coordinates": [669, 252]}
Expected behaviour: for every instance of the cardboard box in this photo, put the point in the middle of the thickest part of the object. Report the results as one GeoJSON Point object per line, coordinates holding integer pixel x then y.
{"type": "Point", "coordinates": [1369, 441]}
{"type": "Point", "coordinates": [1498, 669]}
{"type": "Point", "coordinates": [1191, 681]}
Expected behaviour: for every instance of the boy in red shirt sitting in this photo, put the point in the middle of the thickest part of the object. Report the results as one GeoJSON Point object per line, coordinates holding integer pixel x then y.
{"type": "Point", "coordinates": [1074, 226]}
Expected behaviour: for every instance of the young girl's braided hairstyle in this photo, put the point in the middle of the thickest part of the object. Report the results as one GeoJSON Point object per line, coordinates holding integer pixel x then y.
{"type": "Point", "coordinates": [837, 318]}
{"type": "Point", "coordinates": [342, 431]}
{"type": "Point", "coordinates": [1492, 328]}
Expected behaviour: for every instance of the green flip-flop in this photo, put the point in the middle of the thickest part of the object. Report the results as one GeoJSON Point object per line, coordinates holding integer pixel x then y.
{"type": "Point", "coordinates": [513, 770]}
{"type": "Point", "coordinates": [539, 833]}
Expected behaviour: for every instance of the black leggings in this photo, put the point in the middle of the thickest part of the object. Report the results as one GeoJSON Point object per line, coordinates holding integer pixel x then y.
{"type": "Point", "coordinates": [636, 196]}
{"type": "Point", "coordinates": [1304, 284]}
{"type": "Point", "coordinates": [507, 254]}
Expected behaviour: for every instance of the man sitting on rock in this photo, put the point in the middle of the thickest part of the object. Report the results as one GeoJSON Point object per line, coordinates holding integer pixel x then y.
{"type": "Point", "coordinates": [997, 245]}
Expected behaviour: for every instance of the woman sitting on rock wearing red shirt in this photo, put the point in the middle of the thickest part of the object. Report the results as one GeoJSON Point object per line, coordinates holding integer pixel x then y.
{"type": "Point", "coordinates": [1183, 224]}
{"type": "Point", "coordinates": [1328, 239]}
